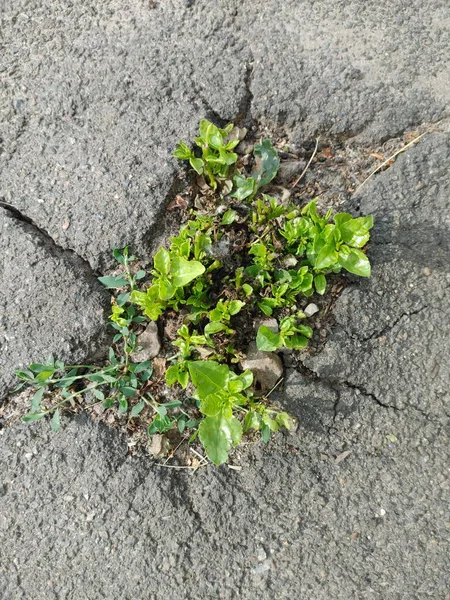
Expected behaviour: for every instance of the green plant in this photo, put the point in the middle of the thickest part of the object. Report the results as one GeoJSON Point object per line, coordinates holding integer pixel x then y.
{"type": "Point", "coordinates": [221, 272]}
{"type": "Point", "coordinates": [291, 335]}
{"type": "Point", "coordinates": [217, 152]}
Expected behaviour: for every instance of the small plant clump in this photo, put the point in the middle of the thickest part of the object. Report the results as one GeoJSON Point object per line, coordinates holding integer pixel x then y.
{"type": "Point", "coordinates": [243, 254]}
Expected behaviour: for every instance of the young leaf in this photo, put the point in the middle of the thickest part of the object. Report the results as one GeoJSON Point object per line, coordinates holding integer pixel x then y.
{"type": "Point", "coordinates": [209, 377]}
{"type": "Point", "coordinates": [354, 261]}
{"type": "Point", "coordinates": [268, 163]}
{"type": "Point", "coordinates": [320, 283]}
{"type": "Point", "coordinates": [245, 187]}
{"type": "Point", "coordinates": [267, 340]}
{"type": "Point", "coordinates": [326, 257]}
{"type": "Point", "coordinates": [137, 408]}
{"type": "Point", "coordinates": [182, 151]}
{"type": "Point", "coordinates": [55, 421]}
{"type": "Point", "coordinates": [37, 399]}
{"type": "Point", "coordinates": [33, 417]}
{"type": "Point", "coordinates": [161, 261]}
{"type": "Point", "coordinates": [113, 282]}
{"type": "Point", "coordinates": [214, 327]}
{"type": "Point", "coordinates": [228, 217]}
{"type": "Point", "coordinates": [218, 435]}
{"type": "Point", "coordinates": [184, 271]}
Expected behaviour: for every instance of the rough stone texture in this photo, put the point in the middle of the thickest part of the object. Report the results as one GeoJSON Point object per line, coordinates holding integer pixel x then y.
{"type": "Point", "coordinates": [266, 367]}
{"type": "Point", "coordinates": [82, 521]}
{"type": "Point", "coordinates": [395, 326]}
{"type": "Point", "coordinates": [93, 98]}
{"type": "Point", "coordinates": [50, 302]}
{"type": "Point", "coordinates": [149, 342]}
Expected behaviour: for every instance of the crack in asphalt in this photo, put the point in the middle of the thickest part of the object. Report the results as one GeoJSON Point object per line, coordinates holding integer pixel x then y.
{"type": "Point", "coordinates": [337, 385]}
{"type": "Point", "coordinates": [390, 326]}
{"type": "Point", "coordinates": [22, 218]}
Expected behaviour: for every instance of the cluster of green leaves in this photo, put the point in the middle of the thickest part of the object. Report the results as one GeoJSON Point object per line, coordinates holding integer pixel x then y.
{"type": "Point", "coordinates": [217, 154]}
{"type": "Point", "coordinates": [277, 253]}
{"type": "Point", "coordinates": [222, 394]}
{"type": "Point", "coordinates": [218, 161]}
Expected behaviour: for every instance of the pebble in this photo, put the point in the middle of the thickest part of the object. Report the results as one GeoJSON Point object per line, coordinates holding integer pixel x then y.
{"type": "Point", "coordinates": [266, 367]}
{"type": "Point", "coordinates": [262, 567]}
{"type": "Point", "coordinates": [271, 323]}
{"type": "Point", "coordinates": [311, 310]}
{"type": "Point", "coordinates": [149, 342]}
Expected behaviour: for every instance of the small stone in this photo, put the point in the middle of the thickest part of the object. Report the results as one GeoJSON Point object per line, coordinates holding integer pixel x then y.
{"type": "Point", "coordinates": [149, 342]}
{"type": "Point", "coordinates": [266, 367]}
{"type": "Point", "coordinates": [262, 567]}
{"type": "Point", "coordinates": [311, 310]}
{"type": "Point", "coordinates": [261, 555]}
{"type": "Point", "coordinates": [159, 445]}
{"type": "Point", "coordinates": [271, 323]}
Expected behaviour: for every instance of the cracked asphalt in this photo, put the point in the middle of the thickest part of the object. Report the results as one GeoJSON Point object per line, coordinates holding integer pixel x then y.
{"type": "Point", "coordinates": [355, 504]}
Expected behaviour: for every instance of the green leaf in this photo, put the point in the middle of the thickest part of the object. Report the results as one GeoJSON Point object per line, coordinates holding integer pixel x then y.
{"type": "Point", "coordinates": [341, 218]}
{"type": "Point", "coordinates": [113, 282]}
{"type": "Point", "coordinates": [182, 151]}
{"type": "Point", "coordinates": [326, 257]}
{"type": "Point", "coordinates": [33, 417]}
{"type": "Point", "coordinates": [265, 433]}
{"type": "Point", "coordinates": [161, 261]}
{"type": "Point", "coordinates": [147, 303]}
{"type": "Point", "coordinates": [183, 379]}
{"type": "Point", "coordinates": [267, 340]}
{"type": "Point", "coordinates": [235, 306]}
{"type": "Point", "coordinates": [173, 404]}
{"type": "Point", "coordinates": [228, 217]}
{"type": "Point", "coordinates": [184, 271]}
{"type": "Point", "coordinates": [267, 162]}
{"type": "Point", "coordinates": [214, 327]}
{"type": "Point", "coordinates": [208, 377]}
{"type": "Point", "coordinates": [98, 394]}
{"type": "Point", "coordinates": [296, 342]}
{"type": "Point", "coordinates": [119, 256]}
{"type": "Point", "coordinates": [218, 435]}
{"type": "Point", "coordinates": [197, 164]}
{"type": "Point", "coordinates": [55, 421]}
{"type": "Point", "coordinates": [245, 187]}
{"type": "Point", "coordinates": [37, 399]}
{"type": "Point", "coordinates": [137, 408]}
{"type": "Point", "coordinates": [128, 392]}
{"type": "Point", "coordinates": [354, 261]}
{"type": "Point", "coordinates": [320, 283]}
{"type": "Point", "coordinates": [285, 420]}
{"type": "Point", "coordinates": [213, 404]}
{"type": "Point", "coordinates": [172, 374]}
{"type": "Point", "coordinates": [252, 420]}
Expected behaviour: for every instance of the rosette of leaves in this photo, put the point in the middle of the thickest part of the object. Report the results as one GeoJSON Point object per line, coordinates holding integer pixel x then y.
{"type": "Point", "coordinates": [217, 154]}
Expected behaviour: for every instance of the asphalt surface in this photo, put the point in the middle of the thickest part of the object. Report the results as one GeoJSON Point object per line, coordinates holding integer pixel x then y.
{"type": "Point", "coordinates": [353, 506]}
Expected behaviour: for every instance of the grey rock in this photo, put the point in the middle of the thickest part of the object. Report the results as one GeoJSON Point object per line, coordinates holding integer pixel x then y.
{"type": "Point", "coordinates": [149, 342]}
{"type": "Point", "coordinates": [392, 345]}
{"type": "Point", "coordinates": [50, 302]}
{"type": "Point", "coordinates": [267, 367]}
{"type": "Point", "coordinates": [89, 115]}
{"type": "Point", "coordinates": [311, 310]}
{"type": "Point", "coordinates": [271, 323]}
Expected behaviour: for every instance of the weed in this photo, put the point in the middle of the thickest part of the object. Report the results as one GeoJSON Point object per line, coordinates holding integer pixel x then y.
{"type": "Point", "coordinates": [256, 256]}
